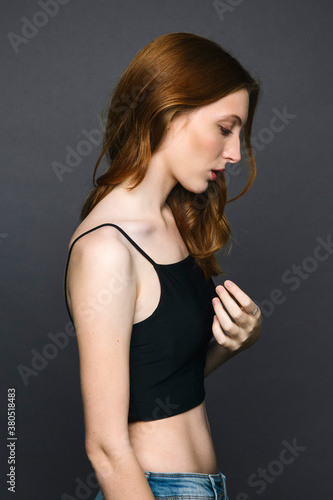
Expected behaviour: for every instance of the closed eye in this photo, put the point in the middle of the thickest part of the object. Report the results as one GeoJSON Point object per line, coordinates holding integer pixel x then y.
{"type": "Point", "coordinates": [225, 131]}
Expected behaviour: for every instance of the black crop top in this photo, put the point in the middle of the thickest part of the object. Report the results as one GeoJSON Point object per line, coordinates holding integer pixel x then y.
{"type": "Point", "coordinates": [168, 349]}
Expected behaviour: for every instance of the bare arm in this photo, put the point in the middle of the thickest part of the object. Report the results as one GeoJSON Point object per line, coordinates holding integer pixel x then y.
{"type": "Point", "coordinates": [216, 356]}
{"type": "Point", "coordinates": [102, 295]}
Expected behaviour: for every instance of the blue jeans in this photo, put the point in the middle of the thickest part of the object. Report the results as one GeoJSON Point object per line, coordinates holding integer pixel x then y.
{"type": "Point", "coordinates": [185, 486]}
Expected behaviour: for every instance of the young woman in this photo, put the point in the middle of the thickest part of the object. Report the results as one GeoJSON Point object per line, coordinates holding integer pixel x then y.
{"type": "Point", "coordinates": [138, 279]}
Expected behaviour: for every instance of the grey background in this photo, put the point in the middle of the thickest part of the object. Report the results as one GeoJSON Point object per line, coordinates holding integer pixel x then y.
{"type": "Point", "coordinates": [276, 392]}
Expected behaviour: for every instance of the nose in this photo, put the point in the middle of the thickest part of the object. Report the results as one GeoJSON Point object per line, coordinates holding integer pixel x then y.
{"type": "Point", "coordinates": [231, 152]}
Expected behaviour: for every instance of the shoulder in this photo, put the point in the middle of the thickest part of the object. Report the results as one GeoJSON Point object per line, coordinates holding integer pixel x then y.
{"type": "Point", "coordinates": [100, 244]}
{"type": "Point", "coordinates": [100, 268]}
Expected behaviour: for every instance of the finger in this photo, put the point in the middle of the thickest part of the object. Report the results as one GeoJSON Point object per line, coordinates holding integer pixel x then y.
{"type": "Point", "coordinates": [221, 338]}
{"type": "Point", "coordinates": [229, 327]}
{"type": "Point", "coordinates": [244, 300]}
{"type": "Point", "coordinates": [233, 308]}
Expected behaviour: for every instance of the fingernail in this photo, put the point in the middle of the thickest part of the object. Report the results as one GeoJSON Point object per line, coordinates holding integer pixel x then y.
{"type": "Point", "coordinates": [228, 284]}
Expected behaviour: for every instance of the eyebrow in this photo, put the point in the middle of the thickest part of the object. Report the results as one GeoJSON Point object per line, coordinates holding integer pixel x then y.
{"type": "Point", "coordinates": [237, 118]}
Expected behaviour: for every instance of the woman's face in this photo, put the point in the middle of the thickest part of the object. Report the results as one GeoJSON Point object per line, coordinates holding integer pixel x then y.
{"type": "Point", "coordinates": [205, 140]}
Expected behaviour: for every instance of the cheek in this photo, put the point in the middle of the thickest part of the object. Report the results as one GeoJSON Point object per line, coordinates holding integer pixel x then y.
{"type": "Point", "coordinates": [205, 146]}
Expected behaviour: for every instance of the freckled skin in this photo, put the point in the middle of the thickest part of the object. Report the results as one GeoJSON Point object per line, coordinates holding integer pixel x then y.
{"type": "Point", "coordinates": [195, 145]}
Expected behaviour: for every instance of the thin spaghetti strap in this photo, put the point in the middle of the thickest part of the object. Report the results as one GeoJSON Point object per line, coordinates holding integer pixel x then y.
{"type": "Point", "coordinates": [123, 232]}
{"type": "Point", "coordinates": [89, 231]}
{"type": "Point", "coordinates": [133, 243]}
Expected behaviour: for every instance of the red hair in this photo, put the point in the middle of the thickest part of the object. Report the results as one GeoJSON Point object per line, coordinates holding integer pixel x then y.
{"type": "Point", "coordinates": [174, 73]}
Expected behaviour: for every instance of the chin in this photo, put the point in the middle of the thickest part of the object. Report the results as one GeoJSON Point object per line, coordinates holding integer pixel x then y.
{"type": "Point", "coordinates": [197, 191]}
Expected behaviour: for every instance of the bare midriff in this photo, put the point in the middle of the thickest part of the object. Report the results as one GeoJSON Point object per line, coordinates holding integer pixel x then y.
{"type": "Point", "coordinates": [181, 443]}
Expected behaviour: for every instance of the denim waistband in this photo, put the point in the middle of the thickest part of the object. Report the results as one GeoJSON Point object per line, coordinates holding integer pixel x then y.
{"type": "Point", "coordinates": [216, 477]}
{"type": "Point", "coordinates": [186, 484]}
{"type": "Point", "coordinates": [212, 485]}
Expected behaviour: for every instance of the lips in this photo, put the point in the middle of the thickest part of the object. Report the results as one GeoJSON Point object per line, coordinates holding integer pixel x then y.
{"type": "Point", "coordinates": [215, 172]}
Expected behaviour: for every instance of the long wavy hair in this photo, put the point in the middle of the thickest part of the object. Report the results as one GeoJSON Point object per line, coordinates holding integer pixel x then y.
{"type": "Point", "coordinates": [175, 73]}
